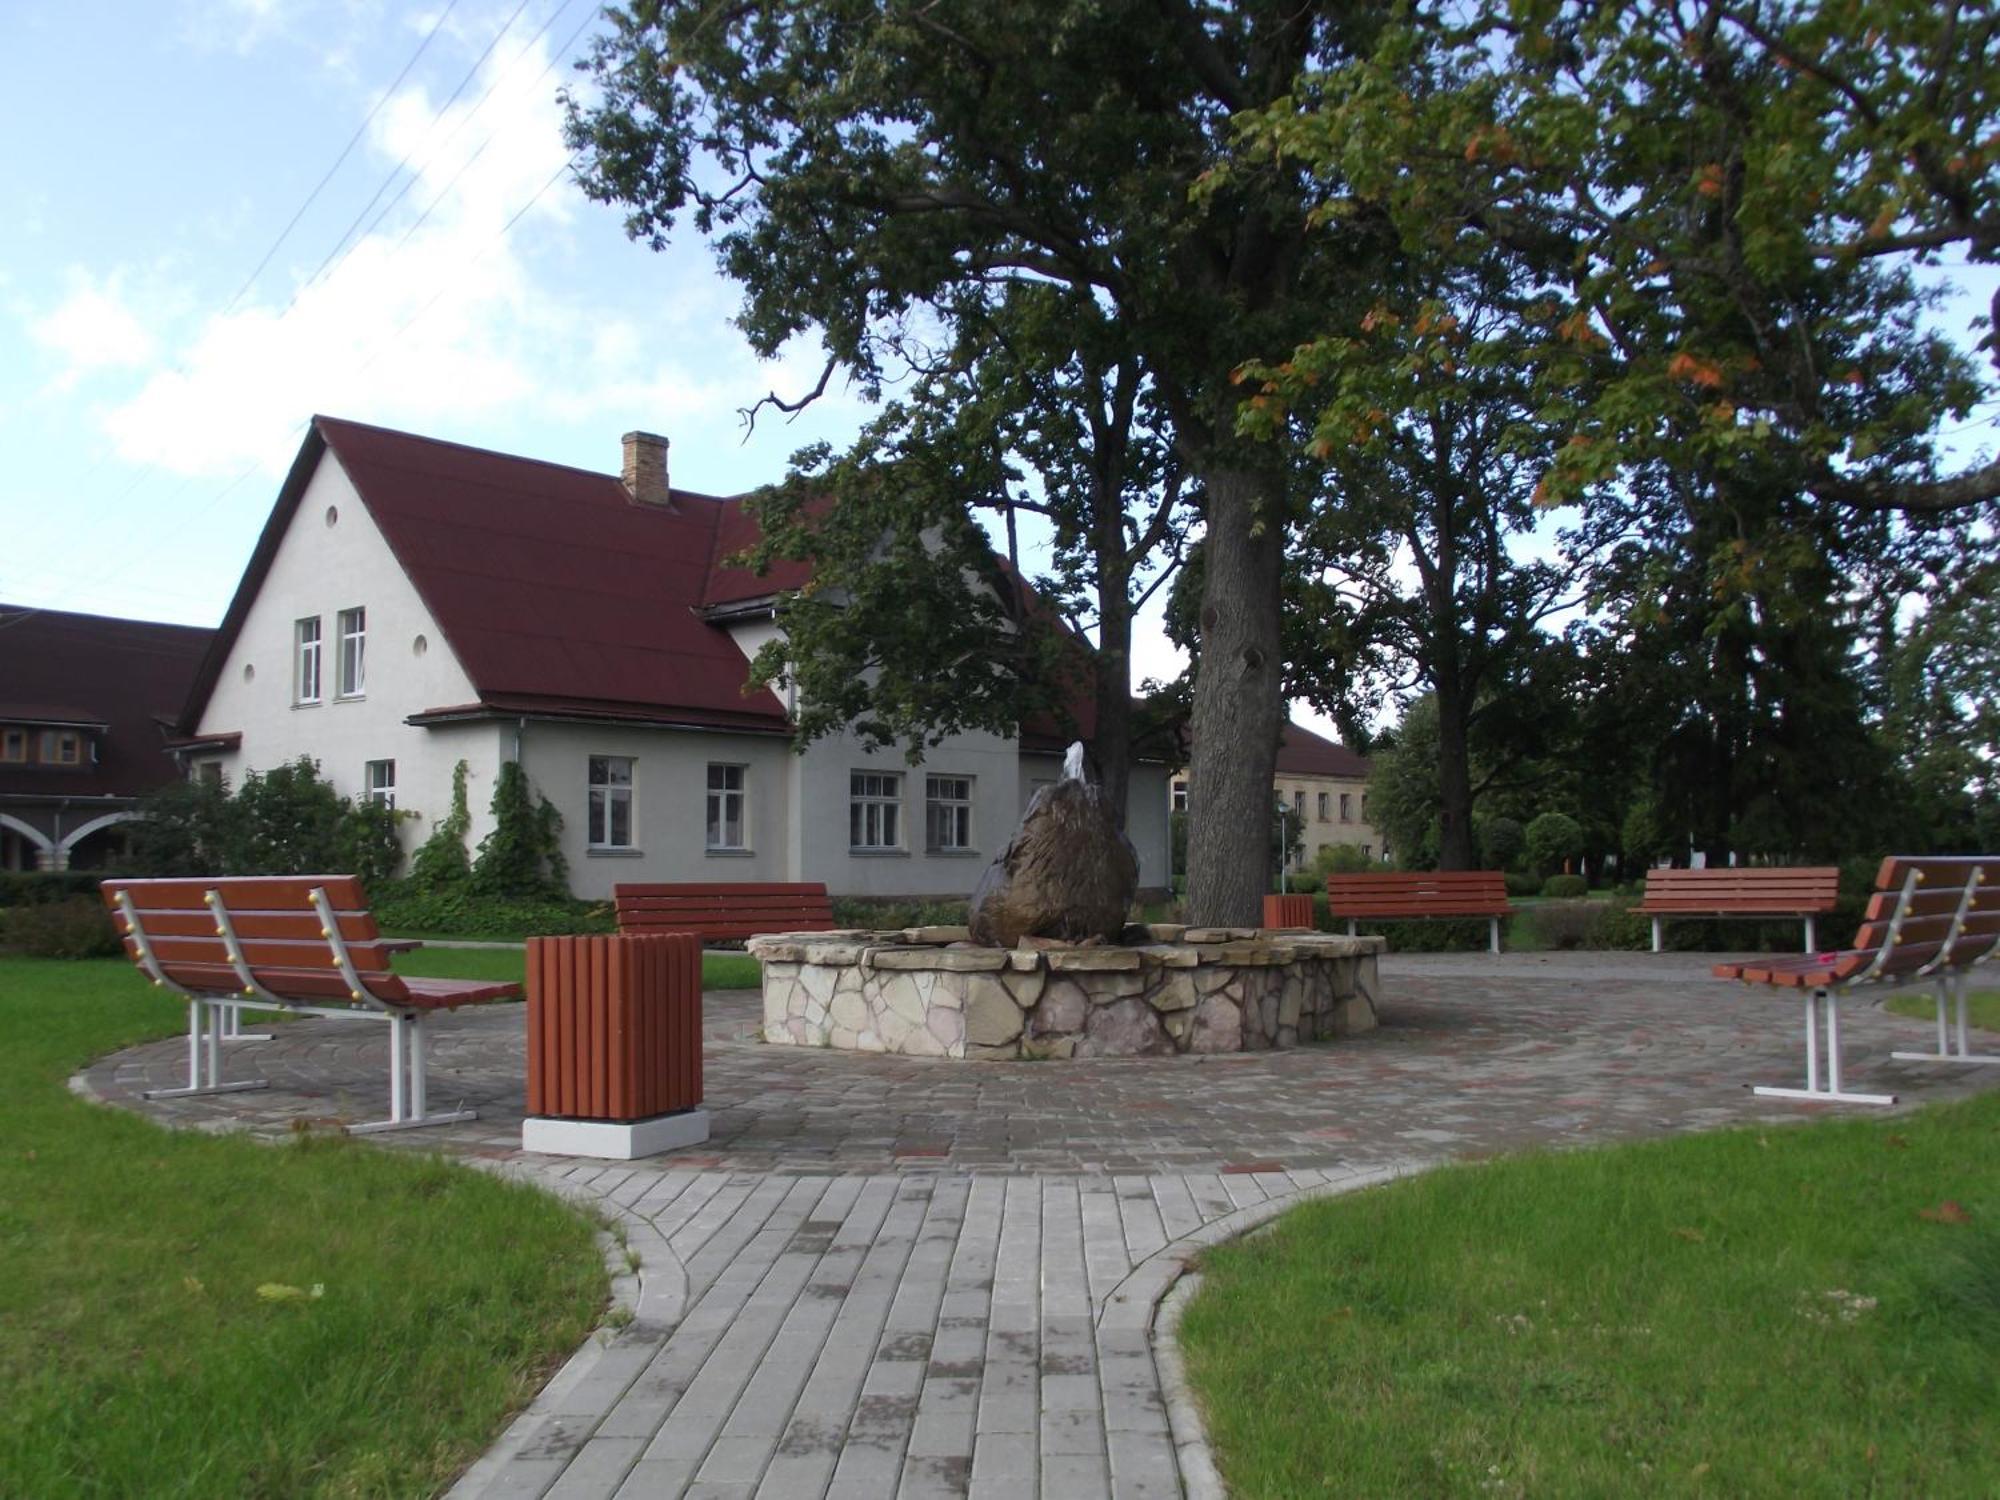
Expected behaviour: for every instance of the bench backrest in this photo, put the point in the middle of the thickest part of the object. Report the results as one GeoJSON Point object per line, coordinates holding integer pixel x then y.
{"type": "Point", "coordinates": [1788, 889]}
{"type": "Point", "coordinates": [1418, 893]}
{"type": "Point", "coordinates": [1943, 910]}
{"type": "Point", "coordinates": [741, 910]}
{"type": "Point", "coordinates": [278, 933]}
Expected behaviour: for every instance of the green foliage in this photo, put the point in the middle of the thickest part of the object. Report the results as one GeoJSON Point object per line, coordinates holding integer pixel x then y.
{"type": "Point", "coordinates": [72, 927]}
{"type": "Point", "coordinates": [1565, 887]}
{"type": "Point", "coordinates": [1343, 859]}
{"type": "Point", "coordinates": [441, 861]}
{"type": "Point", "coordinates": [1501, 840]}
{"type": "Point", "coordinates": [1523, 883]}
{"type": "Point", "coordinates": [888, 911]}
{"type": "Point", "coordinates": [521, 859]}
{"type": "Point", "coordinates": [1552, 838]}
{"type": "Point", "coordinates": [284, 821]}
{"type": "Point", "coordinates": [407, 907]}
{"type": "Point", "coordinates": [31, 887]}
{"type": "Point", "coordinates": [1304, 883]}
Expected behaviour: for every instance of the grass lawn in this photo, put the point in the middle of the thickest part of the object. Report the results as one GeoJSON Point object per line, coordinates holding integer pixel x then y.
{"type": "Point", "coordinates": [719, 971]}
{"type": "Point", "coordinates": [1982, 1009]}
{"type": "Point", "coordinates": [188, 1314]}
{"type": "Point", "coordinates": [1809, 1310]}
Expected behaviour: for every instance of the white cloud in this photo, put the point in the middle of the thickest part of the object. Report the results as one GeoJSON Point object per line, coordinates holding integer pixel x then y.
{"type": "Point", "coordinates": [93, 329]}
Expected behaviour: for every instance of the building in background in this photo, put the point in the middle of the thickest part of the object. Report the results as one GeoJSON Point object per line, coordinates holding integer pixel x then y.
{"type": "Point", "coordinates": [413, 603]}
{"type": "Point", "coordinates": [1324, 787]}
{"type": "Point", "coordinates": [85, 705]}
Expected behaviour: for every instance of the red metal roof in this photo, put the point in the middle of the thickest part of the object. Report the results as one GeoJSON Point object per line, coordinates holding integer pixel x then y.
{"type": "Point", "coordinates": [128, 675]}
{"type": "Point", "coordinates": [1303, 753]}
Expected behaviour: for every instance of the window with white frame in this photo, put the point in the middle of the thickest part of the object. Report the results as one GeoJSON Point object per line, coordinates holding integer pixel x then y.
{"type": "Point", "coordinates": [1180, 796]}
{"type": "Point", "coordinates": [13, 745]}
{"type": "Point", "coordinates": [61, 747]}
{"type": "Point", "coordinates": [1299, 805]}
{"type": "Point", "coordinates": [353, 678]}
{"type": "Point", "coordinates": [1347, 807]}
{"type": "Point", "coordinates": [380, 781]}
{"type": "Point", "coordinates": [609, 825]}
{"type": "Point", "coordinates": [725, 806]}
{"type": "Point", "coordinates": [947, 814]}
{"type": "Point", "coordinates": [875, 810]}
{"type": "Point", "coordinates": [305, 675]}
{"type": "Point", "coordinates": [1325, 798]}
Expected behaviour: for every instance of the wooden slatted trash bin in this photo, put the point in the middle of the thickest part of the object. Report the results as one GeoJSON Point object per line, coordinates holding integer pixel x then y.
{"type": "Point", "coordinates": [614, 1045]}
{"type": "Point", "coordinates": [1289, 911]}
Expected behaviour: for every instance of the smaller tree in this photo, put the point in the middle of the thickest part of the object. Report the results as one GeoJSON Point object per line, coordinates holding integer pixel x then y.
{"type": "Point", "coordinates": [1501, 841]}
{"type": "Point", "coordinates": [1552, 839]}
{"type": "Point", "coordinates": [441, 861]}
{"type": "Point", "coordinates": [185, 828]}
{"type": "Point", "coordinates": [521, 859]}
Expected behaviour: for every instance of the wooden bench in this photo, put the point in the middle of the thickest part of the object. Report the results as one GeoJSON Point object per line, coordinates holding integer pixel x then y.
{"type": "Point", "coordinates": [303, 943]}
{"type": "Point", "coordinates": [1804, 892]}
{"type": "Point", "coordinates": [1930, 921]}
{"type": "Point", "coordinates": [1420, 895]}
{"type": "Point", "coordinates": [724, 912]}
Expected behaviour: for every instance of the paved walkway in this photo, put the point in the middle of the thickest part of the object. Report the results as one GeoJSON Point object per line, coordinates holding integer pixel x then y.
{"type": "Point", "coordinates": [916, 1277]}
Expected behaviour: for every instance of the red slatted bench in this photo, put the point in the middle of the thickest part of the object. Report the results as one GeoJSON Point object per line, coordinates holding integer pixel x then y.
{"type": "Point", "coordinates": [293, 942]}
{"type": "Point", "coordinates": [1420, 895]}
{"type": "Point", "coordinates": [1804, 892]}
{"type": "Point", "coordinates": [723, 912]}
{"type": "Point", "coordinates": [1930, 920]}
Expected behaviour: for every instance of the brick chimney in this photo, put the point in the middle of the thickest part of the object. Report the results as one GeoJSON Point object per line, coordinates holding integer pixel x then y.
{"type": "Point", "coordinates": [645, 472]}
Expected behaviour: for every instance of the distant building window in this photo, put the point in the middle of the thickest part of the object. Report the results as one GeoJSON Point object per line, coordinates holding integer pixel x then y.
{"type": "Point", "coordinates": [305, 679]}
{"type": "Point", "coordinates": [947, 813]}
{"type": "Point", "coordinates": [875, 810]}
{"type": "Point", "coordinates": [1299, 805]}
{"type": "Point", "coordinates": [61, 747]}
{"type": "Point", "coordinates": [725, 806]}
{"type": "Point", "coordinates": [13, 745]}
{"type": "Point", "coordinates": [1325, 800]}
{"type": "Point", "coordinates": [381, 782]}
{"type": "Point", "coordinates": [1347, 807]}
{"type": "Point", "coordinates": [1180, 796]}
{"type": "Point", "coordinates": [209, 771]}
{"type": "Point", "coordinates": [1367, 851]}
{"type": "Point", "coordinates": [609, 825]}
{"type": "Point", "coordinates": [353, 679]}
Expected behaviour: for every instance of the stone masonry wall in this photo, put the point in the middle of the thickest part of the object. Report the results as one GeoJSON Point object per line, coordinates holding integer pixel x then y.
{"type": "Point", "coordinates": [928, 992]}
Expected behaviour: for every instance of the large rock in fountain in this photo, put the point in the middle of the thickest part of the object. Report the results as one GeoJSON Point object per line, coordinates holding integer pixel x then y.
{"type": "Point", "coordinates": [1069, 872]}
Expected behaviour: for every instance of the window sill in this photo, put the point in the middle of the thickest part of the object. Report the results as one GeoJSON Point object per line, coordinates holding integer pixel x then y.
{"type": "Point", "coordinates": [951, 854]}
{"type": "Point", "coordinates": [309, 703]}
{"type": "Point", "coordinates": [730, 853]}
{"type": "Point", "coordinates": [614, 853]}
{"type": "Point", "coordinates": [349, 697]}
{"type": "Point", "coordinates": [878, 853]}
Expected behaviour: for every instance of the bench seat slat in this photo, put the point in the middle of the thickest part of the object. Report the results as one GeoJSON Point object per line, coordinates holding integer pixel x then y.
{"type": "Point", "coordinates": [724, 910]}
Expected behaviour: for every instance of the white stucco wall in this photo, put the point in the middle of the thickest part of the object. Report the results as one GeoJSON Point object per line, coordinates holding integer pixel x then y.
{"type": "Point", "coordinates": [669, 803]}
{"type": "Point", "coordinates": [333, 557]}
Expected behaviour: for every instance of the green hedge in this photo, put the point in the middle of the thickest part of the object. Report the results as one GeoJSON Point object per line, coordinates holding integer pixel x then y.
{"type": "Point", "coordinates": [876, 911]}
{"type": "Point", "coordinates": [34, 887]}
{"type": "Point", "coordinates": [403, 907]}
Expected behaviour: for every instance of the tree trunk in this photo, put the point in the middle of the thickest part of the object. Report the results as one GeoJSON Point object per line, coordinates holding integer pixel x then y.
{"type": "Point", "coordinates": [1114, 692]}
{"type": "Point", "coordinates": [1238, 702]}
{"type": "Point", "coordinates": [1455, 851]}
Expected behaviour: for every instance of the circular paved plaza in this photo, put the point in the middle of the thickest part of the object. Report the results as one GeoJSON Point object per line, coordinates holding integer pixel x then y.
{"type": "Point", "coordinates": [901, 1276]}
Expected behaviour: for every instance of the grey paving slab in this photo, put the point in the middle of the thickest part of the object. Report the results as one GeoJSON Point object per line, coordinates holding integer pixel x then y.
{"type": "Point", "coordinates": [907, 1277]}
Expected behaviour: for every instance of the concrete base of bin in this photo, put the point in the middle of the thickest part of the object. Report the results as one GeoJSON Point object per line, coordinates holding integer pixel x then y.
{"type": "Point", "coordinates": [617, 1140]}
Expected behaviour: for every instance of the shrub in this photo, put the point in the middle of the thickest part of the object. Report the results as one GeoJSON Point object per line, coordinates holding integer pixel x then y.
{"type": "Point", "coordinates": [1521, 883]}
{"type": "Point", "coordinates": [407, 906]}
{"type": "Point", "coordinates": [441, 860]}
{"type": "Point", "coordinates": [521, 859]}
{"type": "Point", "coordinates": [886, 912]}
{"type": "Point", "coordinates": [36, 887]}
{"type": "Point", "coordinates": [1553, 838]}
{"type": "Point", "coordinates": [1501, 841]}
{"type": "Point", "coordinates": [1566, 886]}
{"type": "Point", "coordinates": [1304, 883]}
{"type": "Point", "coordinates": [74, 927]}
{"type": "Point", "coordinates": [1343, 859]}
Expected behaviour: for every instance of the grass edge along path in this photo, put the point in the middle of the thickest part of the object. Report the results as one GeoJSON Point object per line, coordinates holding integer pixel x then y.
{"type": "Point", "coordinates": [190, 1314]}
{"type": "Point", "coordinates": [1799, 1310]}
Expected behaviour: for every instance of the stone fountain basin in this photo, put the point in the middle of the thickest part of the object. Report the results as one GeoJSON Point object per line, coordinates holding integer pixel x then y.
{"type": "Point", "coordinates": [930, 992]}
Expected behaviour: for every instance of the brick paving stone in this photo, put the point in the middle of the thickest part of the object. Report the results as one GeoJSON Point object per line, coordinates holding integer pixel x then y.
{"type": "Point", "coordinates": [909, 1276]}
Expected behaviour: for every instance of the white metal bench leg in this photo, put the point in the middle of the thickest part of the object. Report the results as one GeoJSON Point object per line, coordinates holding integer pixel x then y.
{"type": "Point", "coordinates": [1954, 1035]}
{"type": "Point", "coordinates": [1493, 933]}
{"type": "Point", "coordinates": [232, 1027]}
{"type": "Point", "coordinates": [205, 1057]}
{"type": "Point", "coordinates": [1656, 934]}
{"type": "Point", "coordinates": [409, 1106]}
{"type": "Point", "coordinates": [1832, 1092]}
{"type": "Point", "coordinates": [1812, 943]}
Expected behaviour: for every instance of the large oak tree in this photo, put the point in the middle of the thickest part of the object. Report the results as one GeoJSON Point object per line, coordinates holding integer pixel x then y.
{"type": "Point", "coordinates": [862, 165]}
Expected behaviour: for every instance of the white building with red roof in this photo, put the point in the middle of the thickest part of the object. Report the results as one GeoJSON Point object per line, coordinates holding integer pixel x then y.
{"type": "Point", "coordinates": [1323, 785]}
{"type": "Point", "coordinates": [413, 603]}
